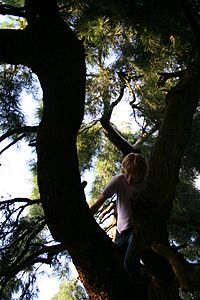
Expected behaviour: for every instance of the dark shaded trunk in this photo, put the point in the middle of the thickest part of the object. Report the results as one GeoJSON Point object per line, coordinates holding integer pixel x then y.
{"type": "Point", "coordinates": [59, 63]}
{"type": "Point", "coordinates": [165, 266]}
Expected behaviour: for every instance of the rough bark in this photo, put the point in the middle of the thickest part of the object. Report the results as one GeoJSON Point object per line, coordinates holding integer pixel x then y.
{"type": "Point", "coordinates": [58, 60]}
{"type": "Point", "coordinates": [154, 206]}
{"type": "Point", "coordinates": [157, 199]}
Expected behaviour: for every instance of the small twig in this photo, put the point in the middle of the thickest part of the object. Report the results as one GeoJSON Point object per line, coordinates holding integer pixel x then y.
{"type": "Point", "coordinates": [144, 135]}
{"type": "Point", "coordinates": [88, 127]}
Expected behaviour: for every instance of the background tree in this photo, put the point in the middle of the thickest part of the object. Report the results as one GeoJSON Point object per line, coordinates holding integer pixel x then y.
{"type": "Point", "coordinates": [131, 54]}
{"type": "Point", "coordinates": [70, 290]}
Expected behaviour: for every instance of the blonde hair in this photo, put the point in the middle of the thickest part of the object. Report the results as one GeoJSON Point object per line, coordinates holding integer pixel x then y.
{"type": "Point", "coordinates": [134, 164]}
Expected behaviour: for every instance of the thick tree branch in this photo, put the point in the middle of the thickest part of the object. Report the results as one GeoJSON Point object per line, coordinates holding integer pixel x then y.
{"type": "Point", "coordinates": [12, 10]}
{"type": "Point", "coordinates": [156, 200]}
{"type": "Point", "coordinates": [175, 263]}
{"type": "Point", "coordinates": [109, 129]}
{"type": "Point", "coordinates": [25, 129]}
{"type": "Point", "coordinates": [188, 274]}
{"type": "Point", "coordinates": [20, 200]}
{"type": "Point", "coordinates": [116, 138]}
{"type": "Point", "coordinates": [114, 103]}
{"type": "Point", "coordinates": [166, 157]}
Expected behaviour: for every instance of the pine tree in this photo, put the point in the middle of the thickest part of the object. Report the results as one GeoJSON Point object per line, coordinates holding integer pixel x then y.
{"type": "Point", "coordinates": [131, 54]}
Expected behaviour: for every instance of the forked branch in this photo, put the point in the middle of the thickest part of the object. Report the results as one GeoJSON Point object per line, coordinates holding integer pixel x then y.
{"type": "Point", "coordinates": [175, 263]}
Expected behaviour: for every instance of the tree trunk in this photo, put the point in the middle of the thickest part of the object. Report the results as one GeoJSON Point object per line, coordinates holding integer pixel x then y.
{"type": "Point", "coordinates": [167, 271]}
{"type": "Point", "coordinates": [59, 63]}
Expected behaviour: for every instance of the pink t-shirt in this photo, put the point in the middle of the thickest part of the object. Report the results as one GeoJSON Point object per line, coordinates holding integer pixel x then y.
{"type": "Point", "coordinates": [124, 192]}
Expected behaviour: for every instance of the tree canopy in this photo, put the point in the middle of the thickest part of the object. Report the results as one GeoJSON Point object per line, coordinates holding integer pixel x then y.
{"type": "Point", "coordinates": [89, 57]}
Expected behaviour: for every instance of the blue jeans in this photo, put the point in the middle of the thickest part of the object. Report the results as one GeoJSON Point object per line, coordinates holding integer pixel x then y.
{"type": "Point", "coordinates": [128, 252]}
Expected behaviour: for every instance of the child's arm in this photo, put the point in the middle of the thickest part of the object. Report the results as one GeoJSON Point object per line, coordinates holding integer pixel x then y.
{"type": "Point", "coordinates": [100, 200]}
